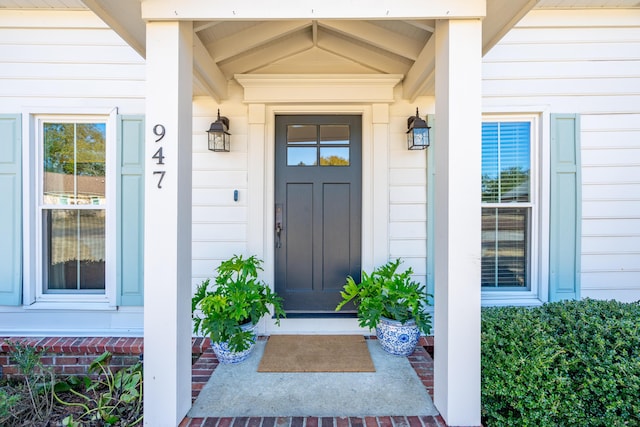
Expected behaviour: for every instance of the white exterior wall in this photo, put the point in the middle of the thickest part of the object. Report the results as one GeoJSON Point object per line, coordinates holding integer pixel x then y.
{"type": "Point", "coordinates": [585, 62]}
{"type": "Point", "coordinates": [66, 59]}
{"type": "Point", "coordinates": [219, 223]}
{"type": "Point", "coordinates": [408, 191]}
{"type": "Point", "coordinates": [67, 62]}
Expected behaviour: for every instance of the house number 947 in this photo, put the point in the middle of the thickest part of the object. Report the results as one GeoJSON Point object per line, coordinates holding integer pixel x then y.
{"type": "Point", "coordinates": [159, 131]}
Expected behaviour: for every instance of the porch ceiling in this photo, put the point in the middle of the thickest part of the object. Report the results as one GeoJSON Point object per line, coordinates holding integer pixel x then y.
{"type": "Point", "coordinates": [323, 46]}
{"type": "Point", "coordinates": [225, 48]}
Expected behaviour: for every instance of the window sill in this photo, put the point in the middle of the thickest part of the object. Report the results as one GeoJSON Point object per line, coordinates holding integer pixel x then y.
{"type": "Point", "coordinates": [502, 300]}
{"type": "Point", "coordinates": [72, 306]}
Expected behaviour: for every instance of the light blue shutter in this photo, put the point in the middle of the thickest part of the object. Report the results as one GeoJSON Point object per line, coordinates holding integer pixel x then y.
{"type": "Point", "coordinates": [565, 210]}
{"type": "Point", "coordinates": [11, 210]}
{"type": "Point", "coordinates": [130, 191]}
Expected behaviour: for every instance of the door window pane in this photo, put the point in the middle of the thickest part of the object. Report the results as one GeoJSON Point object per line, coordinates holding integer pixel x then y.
{"type": "Point", "coordinates": [302, 156]}
{"type": "Point", "coordinates": [302, 134]}
{"type": "Point", "coordinates": [334, 156]}
{"type": "Point", "coordinates": [334, 134]}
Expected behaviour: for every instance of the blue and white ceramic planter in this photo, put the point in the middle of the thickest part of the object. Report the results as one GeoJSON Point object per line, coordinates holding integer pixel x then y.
{"type": "Point", "coordinates": [396, 338]}
{"type": "Point", "coordinates": [227, 356]}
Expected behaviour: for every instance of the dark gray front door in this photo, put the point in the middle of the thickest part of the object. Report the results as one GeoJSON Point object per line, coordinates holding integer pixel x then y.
{"type": "Point", "coordinates": [318, 183]}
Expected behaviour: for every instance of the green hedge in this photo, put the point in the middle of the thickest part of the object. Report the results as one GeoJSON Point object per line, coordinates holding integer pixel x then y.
{"type": "Point", "coordinates": [572, 363]}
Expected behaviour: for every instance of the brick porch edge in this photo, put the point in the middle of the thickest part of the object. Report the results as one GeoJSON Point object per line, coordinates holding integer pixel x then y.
{"type": "Point", "coordinates": [72, 356]}
{"type": "Point", "coordinates": [420, 360]}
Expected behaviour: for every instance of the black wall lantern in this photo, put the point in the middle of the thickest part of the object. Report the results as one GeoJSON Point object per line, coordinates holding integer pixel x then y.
{"type": "Point", "coordinates": [417, 133]}
{"type": "Point", "coordinates": [219, 136]}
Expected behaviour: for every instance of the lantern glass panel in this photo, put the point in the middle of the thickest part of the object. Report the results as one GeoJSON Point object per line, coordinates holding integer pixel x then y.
{"type": "Point", "coordinates": [218, 141]}
{"type": "Point", "coordinates": [421, 137]}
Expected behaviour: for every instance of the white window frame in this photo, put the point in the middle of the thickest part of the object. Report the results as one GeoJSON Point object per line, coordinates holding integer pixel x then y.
{"type": "Point", "coordinates": [34, 294]}
{"type": "Point", "coordinates": [538, 252]}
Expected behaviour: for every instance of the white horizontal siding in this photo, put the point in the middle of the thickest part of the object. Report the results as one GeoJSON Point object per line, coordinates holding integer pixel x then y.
{"type": "Point", "coordinates": [58, 59]}
{"type": "Point", "coordinates": [219, 222]}
{"type": "Point", "coordinates": [572, 61]}
{"type": "Point", "coordinates": [585, 62]}
{"type": "Point", "coordinates": [407, 196]}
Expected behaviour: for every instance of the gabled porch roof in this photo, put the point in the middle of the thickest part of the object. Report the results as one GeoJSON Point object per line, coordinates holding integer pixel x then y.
{"type": "Point", "coordinates": [228, 46]}
{"type": "Point", "coordinates": [286, 42]}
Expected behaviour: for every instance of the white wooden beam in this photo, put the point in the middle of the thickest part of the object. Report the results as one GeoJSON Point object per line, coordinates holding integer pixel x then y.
{"type": "Point", "coordinates": [314, 88]}
{"type": "Point", "coordinates": [203, 25]}
{"type": "Point", "coordinates": [502, 15]}
{"type": "Point", "coordinates": [422, 70]}
{"type": "Point", "coordinates": [366, 57]}
{"type": "Point", "coordinates": [267, 55]}
{"type": "Point", "coordinates": [457, 221]}
{"type": "Point", "coordinates": [422, 25]}
{"type": "Point", "coordinates": [123, 16]}
{"type": "Point", "coordinates": [314, 32]}
{"type": "Point", "coordinates": [211, 76]}
{"type": "Point", "coordinates": [252, 37]}
{"type": "Point", "coordinates": [377, 36]}
{"type": "Point", "coordinates": [310, 9]}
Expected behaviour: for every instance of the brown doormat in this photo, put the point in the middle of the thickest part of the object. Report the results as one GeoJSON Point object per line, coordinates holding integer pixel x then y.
{"type": "Point", "coordinates": [316, 353]}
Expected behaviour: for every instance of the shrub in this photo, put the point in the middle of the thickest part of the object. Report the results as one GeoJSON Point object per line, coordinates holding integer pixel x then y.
{"type": "Point", "coordinates": [30, 400]}
{"type": "Point", "coordinates": [573, 363]}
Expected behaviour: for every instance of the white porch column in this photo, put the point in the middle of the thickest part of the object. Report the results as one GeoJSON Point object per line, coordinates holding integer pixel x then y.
{"type": "Point", "coordinates": [256, 181]}
{"type": "Point", "coordinates": [380, 184]}
{"type": "Point", "coordinates": [167, 242]}
{"type": "Point", "coordinates": [457, 221]}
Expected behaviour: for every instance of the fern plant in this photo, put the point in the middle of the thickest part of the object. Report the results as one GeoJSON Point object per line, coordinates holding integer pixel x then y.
{"type": "Point", "coordinates": [386, 292]}
{"type": "Point", "coordinates": [236, 297]}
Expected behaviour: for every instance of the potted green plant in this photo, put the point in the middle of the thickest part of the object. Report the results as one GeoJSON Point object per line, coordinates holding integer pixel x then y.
{"type": "Point", "coordinates": [393, 304]}
{"type": "Point", "coordinates": [229, 310]}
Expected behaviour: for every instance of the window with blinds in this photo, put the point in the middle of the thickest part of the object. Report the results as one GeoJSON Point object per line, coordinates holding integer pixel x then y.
{"type": "Point", "coordinates": [506, 205]}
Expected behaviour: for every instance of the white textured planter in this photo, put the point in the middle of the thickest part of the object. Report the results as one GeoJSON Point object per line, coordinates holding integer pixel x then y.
{"type": "Point", "coordinates": [396, 338]}
{"type": "Point", "coordinates": [227, 356]}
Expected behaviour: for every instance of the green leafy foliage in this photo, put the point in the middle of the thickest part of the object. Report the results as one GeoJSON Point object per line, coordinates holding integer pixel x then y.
{"type": "Point", "coordinates": [108, 398]}
{"type": "Point", "coordinates": [388, 293]}
{"type": "Point", "coordinates": [572, 363]}
{"type": "Point", "coordinates": [32, 399]}
{"type": "Point", "coordinates": [8, 401]}
{"type": "Point", "coordinates": [237, 297]}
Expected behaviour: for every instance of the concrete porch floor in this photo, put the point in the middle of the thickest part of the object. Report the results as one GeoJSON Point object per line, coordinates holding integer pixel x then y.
{"type": "Point", "coordinates": [420, 360]}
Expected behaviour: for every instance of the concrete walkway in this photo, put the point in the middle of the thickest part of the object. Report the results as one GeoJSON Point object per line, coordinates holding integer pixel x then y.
{"type": "Point", "coordinates": [420, 360]}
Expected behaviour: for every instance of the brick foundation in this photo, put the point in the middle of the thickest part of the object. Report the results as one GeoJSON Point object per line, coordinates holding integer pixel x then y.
{"type": "Point", "coordinates": [73, 355]}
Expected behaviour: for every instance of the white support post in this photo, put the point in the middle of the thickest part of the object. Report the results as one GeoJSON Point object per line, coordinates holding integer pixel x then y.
{"type": "Point", "coordinates": [380, 230]}
{"type": "Point", "coordinates": [167, 241]}
{"type": "Point", "coordinates": [457, 221]}
{"type": "Point", "coordinates": [256, 181]}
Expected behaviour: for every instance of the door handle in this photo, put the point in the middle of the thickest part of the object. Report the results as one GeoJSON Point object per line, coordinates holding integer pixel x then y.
{"type": "Point", "coordinates": [278, 232]}
{"type": "Point", "coordinates": [278, 225]}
